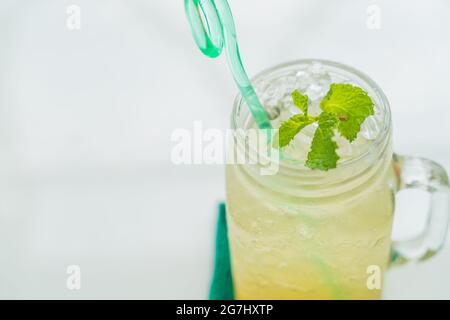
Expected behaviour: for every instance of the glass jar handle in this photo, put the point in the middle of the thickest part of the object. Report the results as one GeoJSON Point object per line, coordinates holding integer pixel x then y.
{"type": "Point", "coordinates": [423, 174]}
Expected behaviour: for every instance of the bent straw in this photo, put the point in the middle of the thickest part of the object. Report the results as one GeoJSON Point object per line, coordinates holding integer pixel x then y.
{"type": "Point", "coordinates": [217, 18]}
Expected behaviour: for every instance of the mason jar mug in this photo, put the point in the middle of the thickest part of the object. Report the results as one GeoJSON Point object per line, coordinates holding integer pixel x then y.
{"type": "Point", "coordinates": [310, 234]}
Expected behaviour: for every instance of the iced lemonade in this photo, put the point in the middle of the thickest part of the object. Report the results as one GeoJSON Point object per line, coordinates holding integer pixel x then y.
{"type": "Point", "coordinates": [311, 234]}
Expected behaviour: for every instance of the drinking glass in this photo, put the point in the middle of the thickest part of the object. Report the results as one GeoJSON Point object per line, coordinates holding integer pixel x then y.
{"type": "Point", "coordinates": [309, 234]}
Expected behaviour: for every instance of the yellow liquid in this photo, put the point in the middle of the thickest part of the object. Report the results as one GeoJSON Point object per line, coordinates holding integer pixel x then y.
{"type": "Point", "coordinates": [294, 247]}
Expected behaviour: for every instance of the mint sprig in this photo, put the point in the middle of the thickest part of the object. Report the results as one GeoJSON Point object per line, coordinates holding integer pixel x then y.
{"type": "Point", "coordinates": [323, 154]}
{"type": "Point", "coordinates": [344, 108]}
{"type": "Point", "coordinates": [352, 105]}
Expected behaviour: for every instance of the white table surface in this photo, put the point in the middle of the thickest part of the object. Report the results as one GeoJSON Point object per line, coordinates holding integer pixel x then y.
{"type": "Point", "coordinates": [86, 118]}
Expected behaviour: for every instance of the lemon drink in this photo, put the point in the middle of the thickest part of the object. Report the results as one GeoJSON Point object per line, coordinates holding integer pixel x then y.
{"type": "Point", "coordinates": [305, 233]}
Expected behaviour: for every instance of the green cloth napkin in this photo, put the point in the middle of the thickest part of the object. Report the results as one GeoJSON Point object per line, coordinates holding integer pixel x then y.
{"type": "Point", "coordinates": [222, 281]}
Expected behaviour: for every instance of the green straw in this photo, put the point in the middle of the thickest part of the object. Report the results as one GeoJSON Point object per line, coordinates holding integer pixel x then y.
{"type": "Point", "coordinates": [214, 29]}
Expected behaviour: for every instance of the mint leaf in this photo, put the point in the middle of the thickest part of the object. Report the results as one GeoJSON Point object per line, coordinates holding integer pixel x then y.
{"type": "Point", "coordinates": [345, 107]}
{"type": "Point", "coordinates": [351, 105]}
{"type": "Point", "coordinates": [323, 154]}
{"type": "Point", "coordinates": [301, 101]}
{"type": "Point", "coordinates": [289, 129]}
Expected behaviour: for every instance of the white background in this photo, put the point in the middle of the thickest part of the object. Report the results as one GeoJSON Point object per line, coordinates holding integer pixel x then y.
{"type": "Point", "coordinates": [86, 118]}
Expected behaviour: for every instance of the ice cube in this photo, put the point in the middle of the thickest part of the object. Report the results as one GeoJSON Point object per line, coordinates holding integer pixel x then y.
{"type": "Point", "coordinates": [290, 82]}
{"type": "Point", "coordinates": [370, 128]}
{"type": "Point", "coordinates": [304, 79]}
{"type": "Point", "coordinates": [316, 91]}
{"type": "Point", "coordinates": [314, 107]}
{"type": "Point", "coordinates": [288, 105]}
{"type": "Point", "coordinates": [314, 81]}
